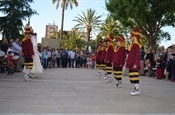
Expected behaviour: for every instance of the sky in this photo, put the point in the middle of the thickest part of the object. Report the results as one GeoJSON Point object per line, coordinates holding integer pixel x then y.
{"type": "Point", "coordinates": [49, 14]}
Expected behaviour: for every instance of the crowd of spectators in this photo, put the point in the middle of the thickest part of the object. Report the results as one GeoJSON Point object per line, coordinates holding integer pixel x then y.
{"type": "Point", "coordinates": [159, 63]}
{"type": "Point", "coordinates": [66, 58]}
{"type": "Point", "coordinates": [11, 56]}
{"type": "Point", "coordinates": [50, 57]}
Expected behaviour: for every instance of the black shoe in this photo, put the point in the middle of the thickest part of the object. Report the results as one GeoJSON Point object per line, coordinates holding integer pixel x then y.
{"type": "Point", "coordinates": [118, 85]}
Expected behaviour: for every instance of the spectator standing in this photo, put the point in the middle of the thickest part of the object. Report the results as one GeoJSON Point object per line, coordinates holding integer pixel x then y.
{"type": "Point", "coordinates": [16, 47]}
{"type": "Point", "coordinates": [53, 59]}
{"type": "Point", "coordinates": [64, 57]}
{"type": "Point", "coordinates": [58, 54]}
{"type": "Point", "coordinates": [44, 57]}
{"type": "Point", "coordinates": [17, 50]}
{"type": "Point", "coordinates": [150, 59]}
{"type": "Point", "coordinates": [71, 58]}
{"type": "Point", "coordinates": [172, 62]}
{"type": "Point", "coordinates": [93, 58]}
{"type": "Point", "coordinates": [49, 57]}
{"type": "Point", "coordinates": [89, 61]}
{"type": "Point", "coordinates": [77, 59]}
{"type": "Point", "coordinates": [168, 64]}
{"type": "Point", "coordinates": [164, 58]}
{"type": "Point", "coordinates": [156, 54]}
{"type": "Point", "coordinates": [142, 58]}
{"type": "Point", "coordinates": [4, 45]}
{"type": "Point", "coordinates": [2, 62]}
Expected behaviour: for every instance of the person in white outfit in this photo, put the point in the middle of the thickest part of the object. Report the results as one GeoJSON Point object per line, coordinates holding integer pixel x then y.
{"type": "Point", "coordinates": [37, 67]}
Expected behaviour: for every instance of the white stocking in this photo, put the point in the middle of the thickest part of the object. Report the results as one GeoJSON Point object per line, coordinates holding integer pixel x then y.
{"type": "Point", "coordinates": [27, 71]}
{"type": "Point", "coordinates": [136, 86]}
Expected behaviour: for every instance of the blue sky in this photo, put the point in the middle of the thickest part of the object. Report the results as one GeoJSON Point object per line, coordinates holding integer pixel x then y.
{"type": "Point", "coordinates": [48, 14]}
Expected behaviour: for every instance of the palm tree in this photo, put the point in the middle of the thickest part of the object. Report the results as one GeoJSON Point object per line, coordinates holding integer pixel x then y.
{"type": "Point", "coordinates": [89, 21]}
{"type": "Point", "coordinates": [64, 5]}
{"type": "Point", "coordinates": [109, 28]}
{"type": "Point", "coordinates": [73, 40]}
{"type": "Point", "coordinates": [114, 28]}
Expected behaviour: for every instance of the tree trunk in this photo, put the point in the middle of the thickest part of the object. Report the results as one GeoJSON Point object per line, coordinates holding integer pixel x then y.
{"type": "Point", "coordinates": [88, 36]}
{"type": "Point", "coordinates": [62, 22]}
{"type": "Point", "coordinates": [151, 40]}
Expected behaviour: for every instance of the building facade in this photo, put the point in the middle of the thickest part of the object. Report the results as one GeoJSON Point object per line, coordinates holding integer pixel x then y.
{"type": "Point", "coordinates": [51, 29]}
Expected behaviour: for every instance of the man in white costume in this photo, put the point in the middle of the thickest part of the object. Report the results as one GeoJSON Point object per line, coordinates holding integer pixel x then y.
{"type": "Point", "coordinates": [37, 67]}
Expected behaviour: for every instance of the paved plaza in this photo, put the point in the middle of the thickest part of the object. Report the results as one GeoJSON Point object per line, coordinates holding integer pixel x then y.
{"type": "Point", "coordinates": [67, 91]}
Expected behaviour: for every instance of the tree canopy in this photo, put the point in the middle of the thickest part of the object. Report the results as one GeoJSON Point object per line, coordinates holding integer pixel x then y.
{"type": "Point", "coordinates": [89, 21]}
{"type": "Point", "coordinates": [14, 11]}
{"type": "Point", "coordinates": [73, 40]}
{"type": "Point", "coordinates": [149, 15]}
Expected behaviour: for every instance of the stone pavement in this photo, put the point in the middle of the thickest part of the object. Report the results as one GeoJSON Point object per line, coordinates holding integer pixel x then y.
{"type": "Point", "coordinates": [61, 91]}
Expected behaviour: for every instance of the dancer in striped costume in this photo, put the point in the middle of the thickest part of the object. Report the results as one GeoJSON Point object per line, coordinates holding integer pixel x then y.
{"type": "Point", "coordinates": [119, 57]}
{"type": "Point", "coordinates": [27, 49]}
{"type": "Point", "coordinates": [109, 58]}
{"type": "Point", "coordinates": [98, 58]}
{"type": "Point", "coordinates": [133, 61]}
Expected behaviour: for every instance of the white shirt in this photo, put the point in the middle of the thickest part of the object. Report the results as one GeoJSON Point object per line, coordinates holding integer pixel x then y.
{"type": "Point", "coordinates": [49, 54]}
{"type": "Point", "coordinates": [9, 49]}
{"type": "Point", "coordinates": [16, 47]}
{"type": "Point", "coordinates": [72, 55]}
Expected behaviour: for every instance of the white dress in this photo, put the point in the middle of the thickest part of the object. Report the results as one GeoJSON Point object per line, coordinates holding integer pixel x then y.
{"type": "Point", "coordinates": [37, 67]}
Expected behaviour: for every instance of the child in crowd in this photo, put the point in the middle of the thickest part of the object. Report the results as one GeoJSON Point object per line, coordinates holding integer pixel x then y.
{"type": "Point", "coordinates": [10, 63]}
{"type": "Point", "coordinates": [147, 65]}
{"type": "Point", "coordinates": [159, 66]}
{"type": "Point", "coordinates": [93, 58]}
{"type": "Point", "coordinates": [89, 62]}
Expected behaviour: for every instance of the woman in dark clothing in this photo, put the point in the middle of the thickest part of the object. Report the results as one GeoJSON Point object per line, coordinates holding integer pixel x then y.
{"type": "Point", "coordinates": [142, 56]}
{"type": "Point", "coordinates": [150, 57]}
{"type": "Point", "coordinates": [172, 63]}
{"type": "Point", "coordinates": [64, 57]}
